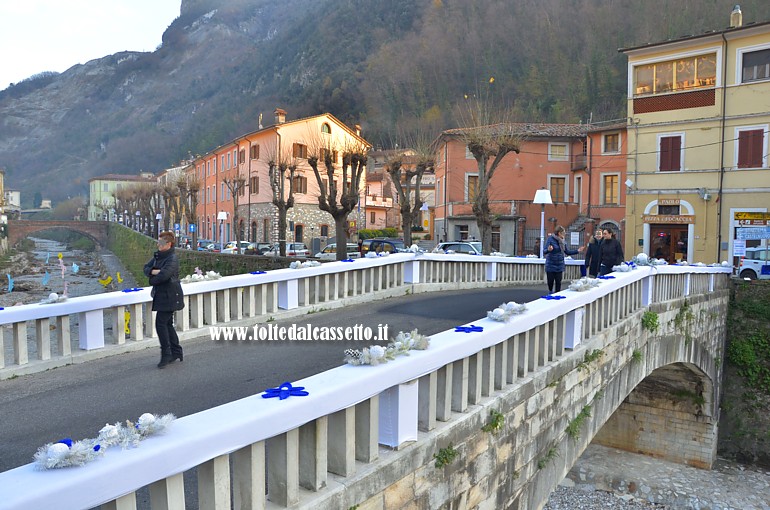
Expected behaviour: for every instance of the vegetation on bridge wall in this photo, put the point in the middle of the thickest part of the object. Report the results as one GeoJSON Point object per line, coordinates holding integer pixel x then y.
{"type": "Point", "coordinates": [744, 428]}
{"type": "Point", "coordinates": [135, 249]}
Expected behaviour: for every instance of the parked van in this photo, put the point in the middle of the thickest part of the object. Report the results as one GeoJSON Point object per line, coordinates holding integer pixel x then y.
{"type": "Point", "coordinates": [756, 264]}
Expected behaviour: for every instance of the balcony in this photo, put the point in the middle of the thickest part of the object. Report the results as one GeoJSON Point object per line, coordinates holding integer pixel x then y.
{"type": "Point", "coordinates": [377, 201]}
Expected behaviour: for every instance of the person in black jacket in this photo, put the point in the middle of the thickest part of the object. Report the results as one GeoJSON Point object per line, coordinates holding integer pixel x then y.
{"type": "Point", "coordinates": [612, 252]}
{"type": "Point", "coordinates": [594, 254]}
{"type": "Point", "coordinates": [167, 297]}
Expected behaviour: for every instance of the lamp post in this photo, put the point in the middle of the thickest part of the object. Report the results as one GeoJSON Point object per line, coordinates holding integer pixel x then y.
{"type": "Point", "coordinates": [542, 197]}
{"type": "Point", "coordinates": [221, 216]}
{"type": "Point", "coordinates": [158, 217]}
{"type": "Point", "coordinates": [137, 220]}
{"type": "Point", "coordinates": [125, 217]}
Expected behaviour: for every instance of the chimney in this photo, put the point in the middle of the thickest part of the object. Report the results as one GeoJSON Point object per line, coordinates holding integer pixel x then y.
{"type": "Point", "coordinates": [358, 129]}
{"type": "Point", "coordinates": [280, 116]}
{"type": "Point", "coordinates": [736, 17]}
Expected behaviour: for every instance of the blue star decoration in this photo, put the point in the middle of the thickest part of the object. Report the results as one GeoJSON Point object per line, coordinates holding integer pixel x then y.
{"type": "Point", "coordinates": [606, 277]}
{"type": "Point", "coordinates": [285, 391]}
{"type": "Point", "coordinates": [553, 297]}
{"type": "Point", "coordinates": [257, 272]}
{"type": "Point", "coordinates": [469, 329]}
{"type": "Point", "coordinates": [135, 289]}
{"type": "Point", "coordinates": [348, 260]}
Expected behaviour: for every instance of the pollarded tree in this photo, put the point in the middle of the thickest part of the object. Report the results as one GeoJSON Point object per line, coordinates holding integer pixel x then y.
{"type": "Point", "coordinates": [281, 171]}
{"type": "Point", "coordinates": [489, 142]}
{"type": "Point", "coordinates": [189, 186]}
{"type": "Point", "coordinates": [236, 185]}
{"type": "Point", "coordinates": [339, 188]}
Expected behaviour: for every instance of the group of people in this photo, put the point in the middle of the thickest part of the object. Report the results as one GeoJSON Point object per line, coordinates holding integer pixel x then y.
{"type": "Point", "coordinates": [603, 251]}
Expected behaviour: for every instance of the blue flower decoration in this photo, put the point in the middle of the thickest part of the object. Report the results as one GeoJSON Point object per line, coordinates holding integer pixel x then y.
{"type": "Point", "coordinates": [97, 448]}
{"type": "Point", "coordinates": [2, 308]}
{"type": "Point", "coordinates": [257, 272]}
{"type": "Point", "coordinates": [135, 289]}
{"type": "Point", "coordinates": [66, 441]}
{"type": "Point", "coordinates": [606, 277]}
{"type": "Point", "coordinates": [469, 329]}
{"type": "Point", "coordinates": [348, 260]}
{"type": "Point", "coordinates": [553, 297]}
{"type": "Point", "coordinates": [285, 391]}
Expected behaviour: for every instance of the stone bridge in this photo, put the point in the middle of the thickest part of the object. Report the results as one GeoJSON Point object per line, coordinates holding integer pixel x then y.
{"type": "Point", "coordinates": [94, 230]}
{"type": "Point", "coordinates": [487, 418]}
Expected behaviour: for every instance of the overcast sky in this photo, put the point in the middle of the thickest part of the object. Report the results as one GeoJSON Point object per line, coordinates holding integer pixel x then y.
{"type": "Point", "coordinates": [54, 35]}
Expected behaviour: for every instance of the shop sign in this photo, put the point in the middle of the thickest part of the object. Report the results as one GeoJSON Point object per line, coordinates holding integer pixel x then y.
{"type": "Point", "coordinates": [668, 201]}
{"type": "Point", "coordinates": [757, 219]}
{"type": "Point", "coordinates": [754, 233]}
{"type": "Point", "coordinates": [668, 218]}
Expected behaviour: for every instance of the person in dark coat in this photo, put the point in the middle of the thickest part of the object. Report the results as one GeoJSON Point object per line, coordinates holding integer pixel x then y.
{"type": "Point", "coordinates": [555, 249]}
{"type": "Point", "coordinates": [167, 297]}
{"type": "Point", "coordinates": [612, 252]}
{"type": "Point", "coordinates": [594, 254]}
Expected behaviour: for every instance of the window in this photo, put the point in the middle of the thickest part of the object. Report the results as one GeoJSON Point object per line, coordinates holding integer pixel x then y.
{"type": "Point", "coordinates": [105, 187]}
{"type": "Point", "coordinates": [254, 185]}
{"type": "Point", "coordinates": [299, 231]}
{"type": "Point", "coordinates": [471, 188]}
{"type": "Point", "coordinates": [326, 128]}
{"type": "Point", "coordinates": [254, 152]}
{"type": "Point", "coordinates": [266, 230]}
{"type": "Point", "coordinates": [208, 167]}
{"type": "Point", "coordinates": [324, 230]}
{"type": "Point", "coordinates": [228, 161]}
{"type": "Point", "coordinates": [611, 143]}
{"type": "Point", "coordinates": [372, 218]}
{"type": "Point", "coordinates": [557, 185]}
{"type": "Point", "coordinates": [668, 210]}
{"type": "Point", "coordinates": [675, 75]}
{"type": "Point", "coordinates": [751, 148]}
{"type": "Point", "coordinates": [496, 237]}
{"type": "Point", "coordinates": [235, 157]}
{"type": "Point", "coordinates": [610, 189]}
{"type": "Point", "coordinates": [300, 151]}
{"type": "Point", "coordinates": [756, 66]}
{"type": "Point", "coordinates": [242, 156]}
{"type": "Point", "coordinates": [558, 152]}
{"type": "Point", "coordinates": [300, 184]}
{"type": "Point", "coordinates": [670, 155]}
{"type": "Point", "coordinates": [462, 231]}
{"type": "Point", "coordinates": [222, 192]}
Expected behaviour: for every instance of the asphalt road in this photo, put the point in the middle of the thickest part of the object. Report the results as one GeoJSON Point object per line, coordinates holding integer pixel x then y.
{"type": "Point", "coordinates": [76, 401]}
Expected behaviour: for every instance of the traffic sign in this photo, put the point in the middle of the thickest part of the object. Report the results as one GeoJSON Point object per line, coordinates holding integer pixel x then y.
{"type": "Point", "coordinates": [192, 227]}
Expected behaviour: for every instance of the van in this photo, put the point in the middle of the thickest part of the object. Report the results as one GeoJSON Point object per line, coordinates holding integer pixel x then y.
{"type": "Point", "coordinates": [756, 264]}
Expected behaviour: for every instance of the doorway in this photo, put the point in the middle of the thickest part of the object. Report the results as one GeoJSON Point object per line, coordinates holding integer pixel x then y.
{"type": "Point", "coordinates": [668, 242]}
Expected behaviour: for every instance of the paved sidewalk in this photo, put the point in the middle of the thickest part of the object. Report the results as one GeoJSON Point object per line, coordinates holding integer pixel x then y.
{"type": "Point", "coordinates": [727, 486]}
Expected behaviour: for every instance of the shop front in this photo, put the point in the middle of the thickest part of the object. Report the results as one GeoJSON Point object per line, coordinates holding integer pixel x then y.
{"type": "Point", "coordinates": [668, 234]}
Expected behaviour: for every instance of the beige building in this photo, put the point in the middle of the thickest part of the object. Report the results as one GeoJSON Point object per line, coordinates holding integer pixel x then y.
{"type": "Point", "coordinates": [101, 194]}
{"type": "Point", "coordinates": [698, 185]}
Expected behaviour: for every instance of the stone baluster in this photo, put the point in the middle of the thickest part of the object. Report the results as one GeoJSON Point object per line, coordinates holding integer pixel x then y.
{"type": "Point", "coordinates": [168, 494]}
{"type": "Point", "coordinates": [214, 483]}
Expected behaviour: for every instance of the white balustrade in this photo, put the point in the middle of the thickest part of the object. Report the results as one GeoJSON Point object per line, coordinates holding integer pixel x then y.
{"type": "Point", "coordinates": [289, 446]}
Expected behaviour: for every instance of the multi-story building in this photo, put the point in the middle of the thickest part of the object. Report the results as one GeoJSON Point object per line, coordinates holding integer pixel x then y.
{"type": "Point", "coordinates": [549, 156]}
{"type": "Point", "coordinates": [247, 159]}
{"type": "Point", "coordinates": [699, 116]}
{"type": "Point", "coordinates": [101, 196]}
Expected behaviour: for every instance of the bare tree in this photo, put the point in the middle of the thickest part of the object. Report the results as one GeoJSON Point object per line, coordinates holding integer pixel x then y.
{"type": "Point", "coordinates": [347, 186]}
{"type": "Point", "coordinates": [188, 192]}
{"type": "Point", "coordinates": [236, 185]}
{"type": "Point", "coordinates": [489, 136]}
{"type": "Point", "coordinates": [170, 195]}
{"type": "Point", "coordinates": [281, 171]}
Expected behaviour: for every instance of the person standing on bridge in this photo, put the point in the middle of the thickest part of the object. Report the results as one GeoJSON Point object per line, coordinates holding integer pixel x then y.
{"type": "Point", "coordinates": [167, 296]}
{"type": "Point", "coordinates": [555, 249]}
{"type": "Point", "coordinates": [612, 252]}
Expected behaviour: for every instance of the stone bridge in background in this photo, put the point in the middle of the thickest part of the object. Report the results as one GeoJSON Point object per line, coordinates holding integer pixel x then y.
{"type": "Point", "coordinates": [94, 230]}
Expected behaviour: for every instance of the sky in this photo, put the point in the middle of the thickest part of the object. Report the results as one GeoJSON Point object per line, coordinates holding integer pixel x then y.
{"type": "Point", "coordinates": [54, 35]}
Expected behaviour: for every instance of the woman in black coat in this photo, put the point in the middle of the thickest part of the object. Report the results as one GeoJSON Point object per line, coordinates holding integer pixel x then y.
{"type": "Point", "coordinates": [612, 252]}
{"type": "Point", "coordinates": [167, 297]}
{"type": "Point", "coordinates": [594, 254]}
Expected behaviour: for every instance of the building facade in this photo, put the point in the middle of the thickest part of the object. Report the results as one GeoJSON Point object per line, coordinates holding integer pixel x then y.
{"type": "Point", "coordinates": [101, 194]}
{"type": "Point", "coordinates": [699, 115]}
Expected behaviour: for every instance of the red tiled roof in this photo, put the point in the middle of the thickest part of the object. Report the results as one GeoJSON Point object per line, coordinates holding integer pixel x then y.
{"type": "Point", "coordinates": [121, 177]}
{"type": "Point", "coordinates": [527, 129]}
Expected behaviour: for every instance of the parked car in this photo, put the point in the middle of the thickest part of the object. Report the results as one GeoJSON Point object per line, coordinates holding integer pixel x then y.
{"type": "Point", "coordinates": [330, 252]}
{"type": "Point", "coordinates": [202, 244]}
{"type": "Point", "coordinates": [257, 248]}
{"type": "Point", "coordinates": [230, 247]}
{"type": "Point", "coordinates": [292, 250]}
{"type": "Point", "coordinates": [378, 245]}
{"type": "Point", "coordinates": [465, 247]}
{"type": "Point", "coordinates": [756, 264]}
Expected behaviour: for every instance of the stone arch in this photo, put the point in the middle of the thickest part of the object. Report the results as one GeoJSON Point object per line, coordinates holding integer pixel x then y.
{"type": "Point", "coordinates": [94, 230]}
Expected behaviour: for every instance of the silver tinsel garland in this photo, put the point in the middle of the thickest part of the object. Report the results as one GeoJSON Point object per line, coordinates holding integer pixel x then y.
{"type": "Point", "coordinates": [377, 354]}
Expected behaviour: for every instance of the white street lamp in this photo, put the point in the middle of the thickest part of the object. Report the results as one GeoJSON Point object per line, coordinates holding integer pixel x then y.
{"type": "Point", "coordinates": [221, 216]}
{"type": "Point", "coordinates": [125, 217]}
{"type": "Point", "coordinates": [137, 220]}
{"type": "Point", "coordinates": [542, 197]}
{"type": "Point", "coordinates": [158, 217]}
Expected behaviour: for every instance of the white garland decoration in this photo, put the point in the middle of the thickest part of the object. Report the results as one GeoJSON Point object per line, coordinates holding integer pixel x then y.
{"type": "Point", "coordinates": [507, 310]}
{"type": "Point", "coordinates": [376, 354]}
{"type": "Point", "coordinates": [584, 284]}
{"type": "Point", "coordinates": [78, 453]}
{"type": "Point", "coordinates": [308, 263]}
{"type": "Point", "coordinates": [191, 278]}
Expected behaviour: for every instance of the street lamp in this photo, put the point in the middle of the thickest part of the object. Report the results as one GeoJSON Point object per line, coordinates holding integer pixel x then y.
{"type": "Point", "coordinates": [542, 197]}
{"type": "Point", "coordinates": [158, 217]}
{"type": "Point", "coordinates": [125, 217]}
{"type": "Point", "coordinates": [137, 220]}
{"type": "Point", "coordinates": [221, 216]}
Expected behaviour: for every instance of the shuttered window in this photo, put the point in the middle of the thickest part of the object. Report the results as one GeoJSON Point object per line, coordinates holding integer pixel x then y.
{"type": "Point", "coordinates": [670, 154]}
{"type": "Point", "coordinates": [750, 148]}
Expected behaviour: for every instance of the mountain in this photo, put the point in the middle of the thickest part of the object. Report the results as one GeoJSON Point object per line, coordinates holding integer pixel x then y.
{"type": "Point", "coordinates": [388, 66]}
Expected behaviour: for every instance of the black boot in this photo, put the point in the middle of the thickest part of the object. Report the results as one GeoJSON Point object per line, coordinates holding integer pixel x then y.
{"type": "Point", "coordinates": [165, 360]}
{"type": "Point", "coordinates": [178, 355]}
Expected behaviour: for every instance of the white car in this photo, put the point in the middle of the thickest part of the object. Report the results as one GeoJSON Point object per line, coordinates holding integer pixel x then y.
{"type": "Point", "coordinates": [292, 250]}
{"type": "Point", "coordinates": [330, 252]}
{"type": "Point", "coordinates": [465, 247]}
{"type": "Point", "coordinates": [756, 264]}
{"type": "Point", "coordinates": [230, 247]}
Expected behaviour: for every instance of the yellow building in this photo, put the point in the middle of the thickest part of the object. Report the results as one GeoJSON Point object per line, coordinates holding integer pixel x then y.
{"type": "Point", "coordinates": [698, 118]}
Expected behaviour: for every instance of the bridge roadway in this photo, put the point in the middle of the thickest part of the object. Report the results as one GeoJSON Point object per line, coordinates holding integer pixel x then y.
{"type": "Point", "coordinates": [77, 400]}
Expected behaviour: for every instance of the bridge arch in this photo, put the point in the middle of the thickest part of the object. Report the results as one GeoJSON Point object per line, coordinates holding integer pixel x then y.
{"type": "Point", "coordinates": [94, 230]}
